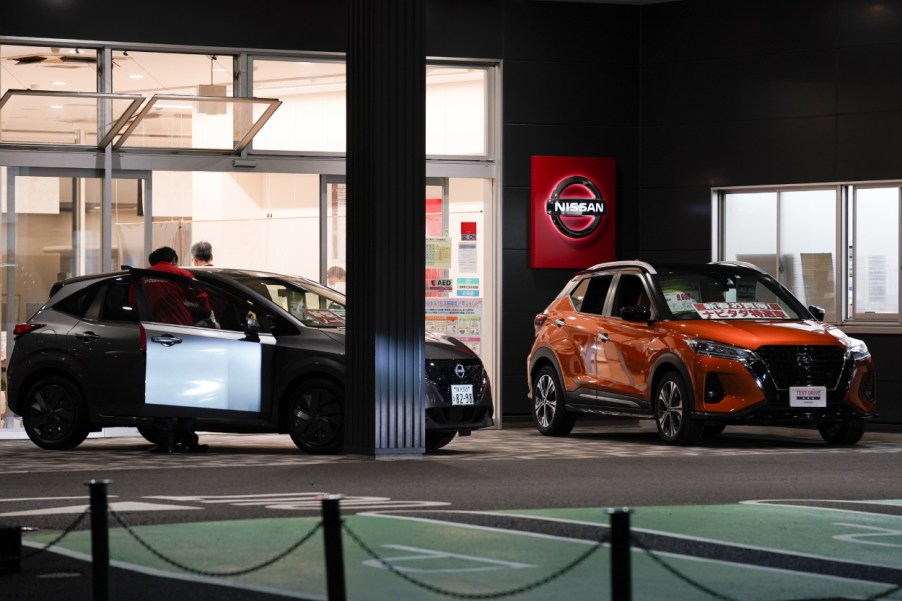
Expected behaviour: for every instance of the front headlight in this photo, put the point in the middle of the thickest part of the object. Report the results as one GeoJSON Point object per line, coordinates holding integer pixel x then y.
{"type": "Point", "coordinates": [709, 348]}
{"type": "Point", "coordinates": [858, 350]}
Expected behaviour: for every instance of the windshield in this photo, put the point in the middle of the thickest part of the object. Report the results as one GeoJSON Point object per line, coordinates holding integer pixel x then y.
{"type": "Point", "coordinates": [314, 305]}
{"type": "Point", "coordinates": [722, 294]}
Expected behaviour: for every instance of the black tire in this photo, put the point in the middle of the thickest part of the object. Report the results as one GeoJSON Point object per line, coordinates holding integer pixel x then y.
{"type": "Point", "coordinates": [842, 433]}
{"type": "Point", "coordinates": [315, 417]}
{"type": "Point", "coordinates": [672, 405]}
{"type": "Point", "coordinates": [549, 410]}
{"type": "Point", "coordinates": [55, 416]}
{"type": "Point", "coordinates": [437, 440]}
{"type": "Point", "coordinates": [154, 435]}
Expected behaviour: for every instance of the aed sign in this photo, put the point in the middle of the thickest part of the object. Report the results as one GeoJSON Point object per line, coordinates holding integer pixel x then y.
{"type": "Point", "coordinates": [573, 202]}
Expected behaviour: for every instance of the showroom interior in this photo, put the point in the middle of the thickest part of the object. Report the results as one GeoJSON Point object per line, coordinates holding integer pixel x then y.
{"type": "Point", "coordinates": [764, 132]}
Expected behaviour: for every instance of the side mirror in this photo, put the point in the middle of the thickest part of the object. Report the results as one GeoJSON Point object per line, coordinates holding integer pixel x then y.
{"type": "Point", "coordinates": [635, 313]}
{"type": "Point", "coordinates": [817, 312]}
{"type": "Point", "coordinates": [251, 329]}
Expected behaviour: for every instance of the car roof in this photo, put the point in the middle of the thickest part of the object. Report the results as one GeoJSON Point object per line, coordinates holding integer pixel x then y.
{"type": "Point", "coordinates": [658, 268]}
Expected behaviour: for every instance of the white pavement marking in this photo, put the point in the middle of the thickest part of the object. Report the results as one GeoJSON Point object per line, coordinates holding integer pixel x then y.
{"type": "Point", "coordinates": [119, 507]}
{"type": "Point", "coordinates": [426, 554]}
{"type": "Point", "coordinates": [301, 501]}
{"type": "Point", "coordinates": [804, 504]}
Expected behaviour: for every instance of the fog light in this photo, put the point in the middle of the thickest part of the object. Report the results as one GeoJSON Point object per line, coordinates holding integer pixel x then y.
{"type": "Point", "coordinates": [713, 389]}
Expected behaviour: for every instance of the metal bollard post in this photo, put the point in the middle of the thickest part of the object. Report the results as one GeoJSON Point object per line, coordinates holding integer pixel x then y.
{"type": "Point", "coordinates": [335, 567]}
{"type": "Point", "coordinates": [100, 539]}
{"type": "Point", "coordinates": [10, 549]}
{"type": "Point", "coordinates": [621, 572]}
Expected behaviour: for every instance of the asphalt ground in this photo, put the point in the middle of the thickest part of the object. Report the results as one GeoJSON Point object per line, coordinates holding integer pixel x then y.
{"type": "Point", "coordinates": [768, 550]}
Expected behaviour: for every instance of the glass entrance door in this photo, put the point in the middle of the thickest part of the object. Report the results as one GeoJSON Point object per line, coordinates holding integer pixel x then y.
{"type": "Point", "coordinates": [52, 225]}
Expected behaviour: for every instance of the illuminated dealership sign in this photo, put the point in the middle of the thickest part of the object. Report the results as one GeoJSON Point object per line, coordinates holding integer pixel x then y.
{"type": "Point", "coordinates": [572, 211]}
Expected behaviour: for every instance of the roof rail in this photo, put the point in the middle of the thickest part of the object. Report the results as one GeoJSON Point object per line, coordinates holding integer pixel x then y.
{"type": "Point", "coordinates": [739, 264]}
{"type": "Point", "coordinates": [613, 264]}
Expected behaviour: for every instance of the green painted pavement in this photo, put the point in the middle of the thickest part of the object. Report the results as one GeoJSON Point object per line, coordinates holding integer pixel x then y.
{"type": "Point", "coordinates": [468, 560]}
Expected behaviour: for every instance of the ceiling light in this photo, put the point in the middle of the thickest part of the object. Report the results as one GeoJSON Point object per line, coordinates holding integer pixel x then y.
{"type": "Point", "coordinates": [58, 83]}
{"type": "Point", "coordinates": [136, 76]}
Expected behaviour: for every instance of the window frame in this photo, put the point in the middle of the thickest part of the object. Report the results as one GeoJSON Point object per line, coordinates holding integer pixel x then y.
{"type": "Point", "coordinates": [843, 244]}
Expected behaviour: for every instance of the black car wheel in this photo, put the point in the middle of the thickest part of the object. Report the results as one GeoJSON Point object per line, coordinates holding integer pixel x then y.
{"type": "Point", "coordinates": [152, 434]}
{"type": "Point", "coordinates": [315, 416]}
{"type": "Point", "coordinates": [844, 432]}
{"type": "Point", "coordinates": [55, 414]}
{"type": "Point", "coordinates": [672, 412]}
{"type": "Point", "coordinates": [437, 440]}
{"type": "Point", "coordinates": [550, 415]}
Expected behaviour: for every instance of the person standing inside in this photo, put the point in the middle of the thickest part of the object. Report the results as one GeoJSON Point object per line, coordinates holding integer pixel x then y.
{"type": "Point", "coordinates": [202, 254]}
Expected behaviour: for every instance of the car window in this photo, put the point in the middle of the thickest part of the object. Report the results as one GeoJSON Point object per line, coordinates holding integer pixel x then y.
{"type": "Point", "coordinates": [311, 306]}
{"type": "Point", "coordinates": [724, 295]}
{"type": "Point", "coordinates": [116, 305]}
{"type": "Point", "coordinates": [590, 294]}
{"type": "Point", "coordinates": [178, 301]}
{"type": "Point", "coordinates": [630, 291]}
{"type": "Point", "coordinates": [77, 304]}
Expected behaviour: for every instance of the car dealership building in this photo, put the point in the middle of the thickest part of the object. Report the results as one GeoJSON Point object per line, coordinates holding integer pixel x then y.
{"type": "Point", "coordinates": [737, 130]}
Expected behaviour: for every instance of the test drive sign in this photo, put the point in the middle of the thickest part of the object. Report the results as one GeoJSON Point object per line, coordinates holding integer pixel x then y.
{"type": "Point", "coordinates": [572, 211]}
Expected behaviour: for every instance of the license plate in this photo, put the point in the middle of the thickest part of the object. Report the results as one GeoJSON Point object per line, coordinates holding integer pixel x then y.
{"type": "Point", "coordinates": [461, 394]}
{"type": "Point", "coordinates": [807, 396]}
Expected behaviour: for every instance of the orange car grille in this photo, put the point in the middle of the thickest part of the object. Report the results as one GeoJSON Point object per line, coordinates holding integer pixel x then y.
{"type": "Point", "coordinates": [803, 365]}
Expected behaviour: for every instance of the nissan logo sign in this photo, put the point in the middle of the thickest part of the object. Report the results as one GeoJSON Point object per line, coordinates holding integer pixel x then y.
{"type": "Point", "coordinates": [559, 207]}
{"type": "Point", "coordinates": [805, 360]}
{"type": "Point", "coordinates": [460, 371]}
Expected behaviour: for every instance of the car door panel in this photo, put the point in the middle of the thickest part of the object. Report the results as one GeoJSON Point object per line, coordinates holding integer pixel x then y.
{"type": "Point", "coordinates": [203, 368]}
{"type": "Point", "coordinates": [207, 369]}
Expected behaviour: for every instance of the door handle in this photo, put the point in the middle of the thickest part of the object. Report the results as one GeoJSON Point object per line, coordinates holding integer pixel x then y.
{"type": "Point", "coordinates": [603, 337]}
{"type": "Point", "coordinates": [87, 336]}
{"type": "Point", "coordinates": [166, 339]}
{"type": "Point", "coordinates": [559, 323]}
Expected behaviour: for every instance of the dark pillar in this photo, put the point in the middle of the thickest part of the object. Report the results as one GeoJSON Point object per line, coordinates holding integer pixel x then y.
{"type": "Point", "coordinates": [386, 96]}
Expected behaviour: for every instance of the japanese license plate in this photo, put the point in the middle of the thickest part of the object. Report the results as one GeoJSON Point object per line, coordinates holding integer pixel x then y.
{"type": "Point", "coordinates": [461, 394]}
{"type": "Point", "coordinates": [807, 396]}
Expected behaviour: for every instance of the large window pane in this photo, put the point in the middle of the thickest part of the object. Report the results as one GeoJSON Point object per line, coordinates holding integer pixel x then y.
{"type": "Point", "coordinates": [267, 221]}
{"type": "Point", "coordinates": [750, 229]}
{"type": "Point", "coordinates": [312, 115]}
{"type": "Point", "coordinates": [456, 111]}
{"type": "Point", "coordinates": [807, 247]}
{"type": "Point", "coordinates": [875, 267]}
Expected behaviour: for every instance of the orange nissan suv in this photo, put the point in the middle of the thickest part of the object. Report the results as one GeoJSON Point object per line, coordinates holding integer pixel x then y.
{"type": "Point", "coordinates": [696, 348]}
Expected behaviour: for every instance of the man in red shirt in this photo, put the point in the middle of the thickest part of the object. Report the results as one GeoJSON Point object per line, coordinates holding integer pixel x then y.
{"type": "Point", "coordinates": [172, 301]}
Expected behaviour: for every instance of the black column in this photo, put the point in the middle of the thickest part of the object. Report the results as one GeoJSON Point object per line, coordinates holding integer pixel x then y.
{"type": "Point", "coordinates": [386, 95]}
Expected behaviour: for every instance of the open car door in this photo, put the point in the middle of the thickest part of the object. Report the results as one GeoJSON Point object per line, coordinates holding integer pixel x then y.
{"type": "Point", "coordinates": [205, 352]}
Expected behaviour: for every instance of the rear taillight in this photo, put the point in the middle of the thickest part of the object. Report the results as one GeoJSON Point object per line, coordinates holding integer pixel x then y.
{"type": "Point", "coordinates": [26, 328]}
{"type": "Point", "coordinates": [539, 321]}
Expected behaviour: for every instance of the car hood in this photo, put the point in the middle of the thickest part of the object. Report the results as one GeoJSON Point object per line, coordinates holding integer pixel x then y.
{"type": "Point", "coordinates": [752, 334]}
{"type": "Point", "coordinates": [438, 346]}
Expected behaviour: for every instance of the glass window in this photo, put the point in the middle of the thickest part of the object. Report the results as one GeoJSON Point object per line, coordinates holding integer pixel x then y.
{"type": "Point", "coordinates": [456, 111]}
{"type": "Point", "coordinates": [630, 292]}
{"type": "Point", "coordinates": [874, 265]}
{"type": "Point", "coordinates": [150, 73]}
{"type": "Point", "coordinates": [58, 69]}
{"type": "Point", "coordinates": [312, 116]}
{"type": "Point", "coordinates": [590, 294]}
{"type": "Point", "coordinates": [835, 247]}
{"type": "Point", "coordinates": [254, 220]}
{"type": "Point", "coordinates": [750, 229]}
{"type": "Point", "coordinates": [808, 247]}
